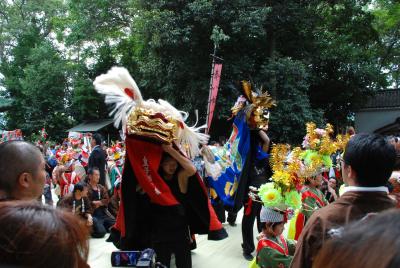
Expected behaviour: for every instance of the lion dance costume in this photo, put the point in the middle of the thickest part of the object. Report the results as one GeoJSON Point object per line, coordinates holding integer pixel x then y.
{"type": "Point", "coordinates": [148, 124]}
{"type": "Point", "coordinates": [244, 160]}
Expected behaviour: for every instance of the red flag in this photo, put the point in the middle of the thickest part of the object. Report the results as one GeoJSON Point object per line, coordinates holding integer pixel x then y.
{"type": "Point", "coordinates": [213, 93]}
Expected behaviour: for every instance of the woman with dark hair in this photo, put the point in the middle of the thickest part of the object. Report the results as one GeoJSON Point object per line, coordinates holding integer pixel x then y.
{"type": "Point", "coordinates": [32, 235]}
{"type": "Point", "coordinates": [369, 243]}
{"type": "Point", "coordinates": [170, 230]}
{"type": "Point", "coordinates": [329, 189]}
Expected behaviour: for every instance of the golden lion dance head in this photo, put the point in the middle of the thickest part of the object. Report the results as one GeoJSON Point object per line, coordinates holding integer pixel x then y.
{"type": "Point", "coordinates": [255, 105]}
{"type": "Point", "coordinates": [155, 120]}
{"type": "Point", "coordinates": [152, 124]}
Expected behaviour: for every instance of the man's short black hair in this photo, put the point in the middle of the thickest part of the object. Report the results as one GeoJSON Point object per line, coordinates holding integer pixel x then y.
{"type": "Point", "coordinates": [372, 157]}
{"type": "Point", "coordinates": [97, 138]}
{"type": "Point", "coordinates": [17, 157]}
{"type": "Point", "coordinates": [79, 186]}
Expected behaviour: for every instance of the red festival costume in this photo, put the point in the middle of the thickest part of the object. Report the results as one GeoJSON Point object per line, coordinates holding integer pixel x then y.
{"type": "Point", "coordinates": [147, 125]}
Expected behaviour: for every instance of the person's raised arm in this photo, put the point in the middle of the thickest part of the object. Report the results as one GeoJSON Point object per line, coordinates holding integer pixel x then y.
{"type": "Point", "coordinates": [265, 139]}
{"type": "Point", "coordinates": [188, 169]}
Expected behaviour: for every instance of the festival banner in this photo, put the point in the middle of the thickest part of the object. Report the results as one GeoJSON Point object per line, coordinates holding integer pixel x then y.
{"type": "Point", "coordinates": [232, 158]}
{"type": "Point", "coordinates": [213, 93]}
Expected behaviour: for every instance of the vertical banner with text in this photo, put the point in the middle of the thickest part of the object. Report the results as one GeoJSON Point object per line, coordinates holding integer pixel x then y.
{"type": "Point", "coordinates": [213, 93]}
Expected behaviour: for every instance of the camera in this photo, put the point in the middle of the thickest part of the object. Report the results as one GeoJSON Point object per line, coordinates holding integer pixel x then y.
{"type": "Point", "coordinates": [145, 258]}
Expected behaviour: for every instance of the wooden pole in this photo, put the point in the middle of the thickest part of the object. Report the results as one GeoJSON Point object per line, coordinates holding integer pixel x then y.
{"type": "Point", "coordinates": [210, 88]}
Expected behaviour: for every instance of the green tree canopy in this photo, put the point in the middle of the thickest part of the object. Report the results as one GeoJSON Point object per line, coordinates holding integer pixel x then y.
{"type": "Point", "coordinates": [318, 59]}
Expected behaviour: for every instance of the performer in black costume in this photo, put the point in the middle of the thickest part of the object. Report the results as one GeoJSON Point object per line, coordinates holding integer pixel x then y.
{"type": "Point", "coordinates": [259, 172]}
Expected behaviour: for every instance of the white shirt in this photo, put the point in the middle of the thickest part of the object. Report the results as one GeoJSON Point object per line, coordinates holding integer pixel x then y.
{"type": "Point", "coordinates": [365, 189]}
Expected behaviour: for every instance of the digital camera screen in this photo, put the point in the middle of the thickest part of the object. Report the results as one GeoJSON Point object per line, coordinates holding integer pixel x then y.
{"type": "Point", "coordinates": [124, 258]}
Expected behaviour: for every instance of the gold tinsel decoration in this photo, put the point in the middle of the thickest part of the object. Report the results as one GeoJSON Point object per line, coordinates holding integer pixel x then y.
{"type": "Point", "coordinates": [285, 164]}
{"type": "Point", "coordinates": [288, 166]}
{"type": "Point", "coordinates": [256, 100]}
{"type": "Point", "coordinates": [278, 156]}
{"type": "Point", "coordinates": [295, 163]}
{"type": "Point", "coordinates": [320, 139]}
{"type": "Point", "coordinates": [341, 141]}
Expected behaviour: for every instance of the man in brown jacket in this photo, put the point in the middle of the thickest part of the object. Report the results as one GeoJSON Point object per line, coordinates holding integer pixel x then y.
{"type": "Point", "coordinates": [366, 167]}
{"type": "Point", "coordinates": [99, 199]}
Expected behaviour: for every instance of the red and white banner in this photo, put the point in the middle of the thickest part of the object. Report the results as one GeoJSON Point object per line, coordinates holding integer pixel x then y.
{"type": "Point", "coordinates": [213, 93]}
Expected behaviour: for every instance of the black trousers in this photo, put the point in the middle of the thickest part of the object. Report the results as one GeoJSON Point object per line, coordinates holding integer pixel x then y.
{"type": "Point", "coordinates": [231, 217]}
{"type": "Point", "coordinates": [101, 223]}
{"type": "Point", "coordinates": [98, 230]}
{"type": "Point", "coordinates": [251, 212]}
{"type": "Point", "coordinates": [219, 210]}
{"type": "Point", "coordinates": [181, 250]}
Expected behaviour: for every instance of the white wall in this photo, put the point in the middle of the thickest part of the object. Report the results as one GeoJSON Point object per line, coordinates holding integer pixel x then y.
{"type": "Point", "coordinates": [369, 121]}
